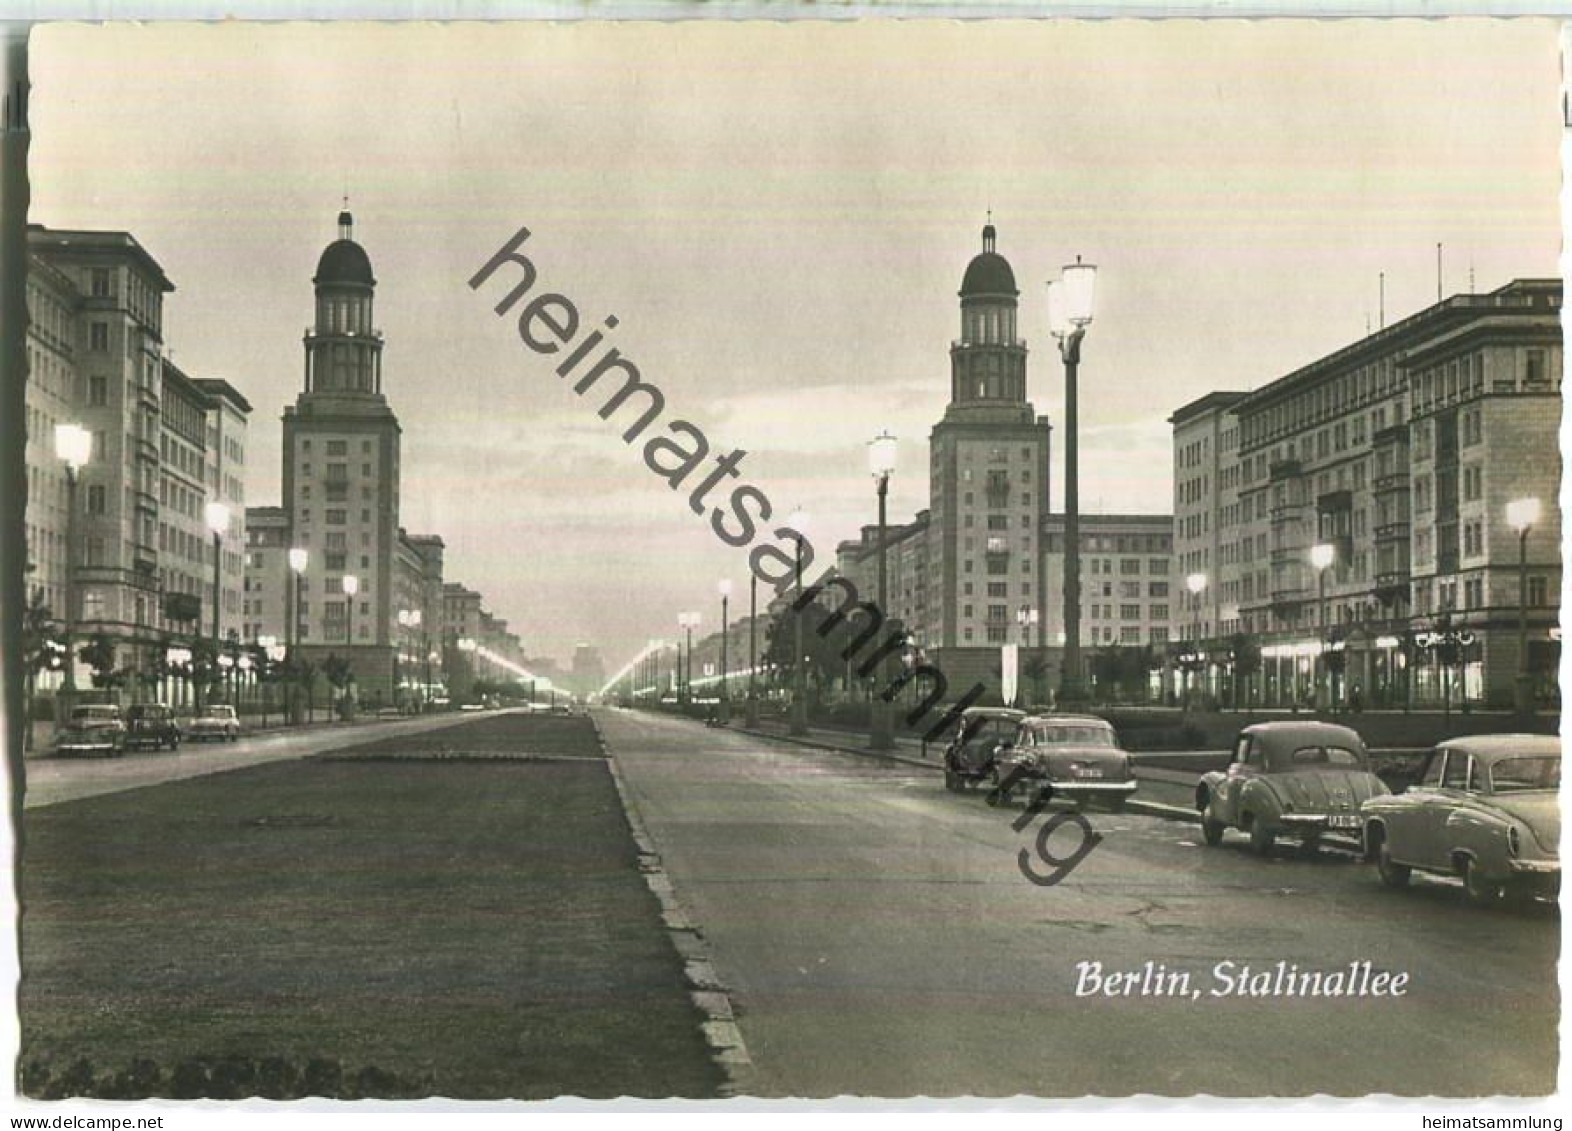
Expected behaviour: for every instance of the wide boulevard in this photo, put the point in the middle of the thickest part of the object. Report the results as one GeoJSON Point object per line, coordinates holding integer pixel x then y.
{"type": "Point", "coordinates": [879, 937]}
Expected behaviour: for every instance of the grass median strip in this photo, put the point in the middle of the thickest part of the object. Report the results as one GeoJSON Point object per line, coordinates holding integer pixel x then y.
{"type": "Point", "coordinates": [477, 925]}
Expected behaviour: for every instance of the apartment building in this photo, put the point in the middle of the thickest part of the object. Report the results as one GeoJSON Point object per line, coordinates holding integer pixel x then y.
{"type": "Point", "coordinates": [1400, 453]}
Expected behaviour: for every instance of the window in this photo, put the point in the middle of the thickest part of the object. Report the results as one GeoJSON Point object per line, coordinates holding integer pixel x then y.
{"type": "Point", "coordinates": [1129, 566]}
{"type": "Point", "coordinates": [1537, 591]}
{"type": "Point", "coordinates": [100, 282]}
{"type": "Point", "coordinates": [335, 517]}
{"type": "Point", "coordinates": [1456, 774]}
{"type": "Point", "coordinates": [1157, 589]}
{"type": "Point", "coordinates": [337, 447]}
{"type": "Point", "coordinates": [1159, 612]}
{"type": "Point", "coordinates": [1129, 612]}
{"type": "Point", "coordinates": [98, 391]}
{"type": "Point", "coordinates": [98, 336]}
{"type": "Point", "coordinates": [97, 499]}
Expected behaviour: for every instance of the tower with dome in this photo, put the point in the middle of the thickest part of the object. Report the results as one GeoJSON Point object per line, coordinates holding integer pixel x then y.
{"type": "Point", "coordinates": [341, 476]}
{"type": "Point", "coordinates": [988, 482]}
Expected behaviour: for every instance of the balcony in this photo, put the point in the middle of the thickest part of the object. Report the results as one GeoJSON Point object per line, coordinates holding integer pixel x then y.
{"type": "Point", "coordinates": [1392, 532]}
{"type": "Point", "coordinates": [312, 334]}
{"type": "Point", "coordinates": [144, 559]}
{"type": "Point", "coordinates": [1395, 481]}
{"type": "Point", "coordinates": [964, 344]}
{"type": "Point", "coordinates": [1331, 502]}
{"type": "Point", "coordinates": [1285, 469]}
{"type": "Point", "coordinates": [1393, 434]}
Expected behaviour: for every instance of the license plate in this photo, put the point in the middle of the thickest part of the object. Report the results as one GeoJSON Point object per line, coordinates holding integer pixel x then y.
{"type": "Point", "coordinates": [1343, 821]}
{"type": "Point", "coordinates": [1085, 773]}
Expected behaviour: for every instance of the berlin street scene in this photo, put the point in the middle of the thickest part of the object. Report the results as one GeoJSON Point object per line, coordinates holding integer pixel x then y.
{"type": "Point", "coordinates": [835, 559]}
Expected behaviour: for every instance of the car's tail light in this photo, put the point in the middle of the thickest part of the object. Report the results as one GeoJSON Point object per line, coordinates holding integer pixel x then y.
{"type": "Point", "coordinates": [1514, 841]}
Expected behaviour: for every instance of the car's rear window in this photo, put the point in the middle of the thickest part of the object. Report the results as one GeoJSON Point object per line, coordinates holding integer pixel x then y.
{"type": "Point", "coordinates": [1314, 758]}
{"type": "Point", "coordinates": [1519, 775]}
{"type": "Point", "coordinates": [1070, 736]}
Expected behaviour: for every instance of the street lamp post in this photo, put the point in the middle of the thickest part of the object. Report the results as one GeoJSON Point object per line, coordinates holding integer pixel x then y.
{"type": "Point", "coordinates": [1069, 314]}
{"type": "Point", "coordinates": [687, 622]}
{"type": "Point", "coordinates": [1027, 618]}
{"type": "Point", "coordinates": [881, 465]}
{"type": "Point", "coordinates": [217, 515]}
{"type": "Point", "coordinates": [1522, 514]}
{"type": "Point", "coordinates": [299, 558]}
{"type": "Point", "coordinates": [74, 447]}
{"type": "Point", "coordinates": [1196, 584]}
{"type": "Point", "coordinates": [751, 710]}
{"type": "Point", "coordinates": [351, 586]}
{"type": "Point", "coordinates": [799, 700]}
{"type": "Point", "coordinates": [725, 663]}
{"type": "Point", "coordinates": [1322, 554]}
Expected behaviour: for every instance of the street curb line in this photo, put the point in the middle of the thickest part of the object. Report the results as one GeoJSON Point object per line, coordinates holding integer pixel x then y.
{"type": "Point", "coordinates": [1134, 804]}
{"type": "Point", "coordinates": [816, 744]}
{"type": "Point", "coordinates": [706, 990]}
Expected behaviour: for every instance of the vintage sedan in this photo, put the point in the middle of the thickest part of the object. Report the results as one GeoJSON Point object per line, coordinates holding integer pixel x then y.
{"type": "Point", "coordinates": [152, 724]}
{"type": "Point", "coordinates": [982, 734]}
{"type": "Point", "coordinates": [1298, 779]}
{"type": "Point", "coordinates": [93, 729]}
{"type": "Point", "coordinates": [1484, 809]}
{"type": "Point", "coordinates": [1073, 757]}
{"type": "Point", "coordinates": [216, 722]}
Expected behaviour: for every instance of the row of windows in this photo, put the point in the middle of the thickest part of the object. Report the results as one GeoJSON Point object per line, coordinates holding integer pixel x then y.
{"type": "Point", "coordinates": [1327, 399]}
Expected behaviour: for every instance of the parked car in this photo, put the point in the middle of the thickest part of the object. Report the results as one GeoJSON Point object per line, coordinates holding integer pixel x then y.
{"type": "Point", "coordinates": [93, 729]}
{"type": "Point", "coordinates": [216, 722]}
{"type": "Point", "coordinates": [1299, 779]}
{"type": "Point", "coordinates": [983, 732]}
{"type": "Point", "coordinates": [1484, 808]}
{"type": "Point", "coordinates": [152, 724]}
{"type": "Point", "coordinates": [1075, 757]}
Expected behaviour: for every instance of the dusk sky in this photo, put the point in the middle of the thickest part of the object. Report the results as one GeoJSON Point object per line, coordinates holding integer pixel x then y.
{"type": "Point", "coordinates": [780, 216]}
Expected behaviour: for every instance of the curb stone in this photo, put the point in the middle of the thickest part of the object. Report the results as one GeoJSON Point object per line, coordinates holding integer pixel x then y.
{"type": "Point", "coordinates": [706, 990]}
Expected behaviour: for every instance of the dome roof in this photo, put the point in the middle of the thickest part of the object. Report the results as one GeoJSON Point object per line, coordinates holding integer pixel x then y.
{"type": "Point", "coordinates": [345, 262]}
{"type": "Point", "coordinates": [989, 272]}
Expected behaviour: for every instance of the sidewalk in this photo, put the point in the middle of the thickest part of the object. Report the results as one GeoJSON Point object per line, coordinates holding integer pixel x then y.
{"type": "Point", "coordinates": [44, 730]}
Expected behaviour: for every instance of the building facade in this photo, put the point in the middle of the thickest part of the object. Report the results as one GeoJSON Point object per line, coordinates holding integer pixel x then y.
{"type": "Point", "coordinates": [268, 578]}
{"type": "Point", "coordinates": [164, 447]}
{"type": "Point", "coordinates": [1400, 453]}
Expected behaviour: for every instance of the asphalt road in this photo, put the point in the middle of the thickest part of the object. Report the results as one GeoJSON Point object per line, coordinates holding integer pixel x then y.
{"type": "Point", "coordinates": [880, 938]}
{"type": "Point", "coordinates": [51, 780]}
